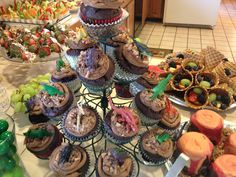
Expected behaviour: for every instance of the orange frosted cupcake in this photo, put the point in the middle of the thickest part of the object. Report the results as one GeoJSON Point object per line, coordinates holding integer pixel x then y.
{"type": "Point", "coordinates": [199, 149]}
{"type": "Point", "coordinates": [209, 123]}
{"type": "Point", "coordinates": [224, 166]}
{"type": "Point", "coordinates": [230, 144]}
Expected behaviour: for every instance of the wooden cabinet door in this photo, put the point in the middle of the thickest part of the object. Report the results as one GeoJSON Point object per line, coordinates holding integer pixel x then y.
{"type": "Point", "coordinates": [145, 10]}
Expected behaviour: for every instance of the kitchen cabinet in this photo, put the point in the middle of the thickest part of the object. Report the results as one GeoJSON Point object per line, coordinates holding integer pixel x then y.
{"type": "Point", "coordinates": [129, 5]}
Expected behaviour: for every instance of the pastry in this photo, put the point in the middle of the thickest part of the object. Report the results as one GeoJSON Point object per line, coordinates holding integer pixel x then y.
{"type": "Point", "coordinates": [41, 139]}
{"type": "Point", "coordinates": [207, 122]}
{"type": "Point", "coordinates": [223, 166]}
{"type": "Point", "coordinates": [199, 149]}
{"type": "Point", "coordinates": [192, 66]}
{"type": "Point", "coordinates": [196, 97]}
{"type": "Point", "coordinates": [114, 163]}
{"type": "Point", "coordinates": [55, 100]}
{"type": "Point", "coordinates": [156, 145]}
{"type": "Point", "coordinates": [69, 160]}
{"type": "Point", "coordinates": [207, 80]}
{"type": "Point", "coordinates": [182, 81]}
{"type": "Point", "coordinates": [230, 144]}
{"type": "Point", "coordinates": [81, 123]}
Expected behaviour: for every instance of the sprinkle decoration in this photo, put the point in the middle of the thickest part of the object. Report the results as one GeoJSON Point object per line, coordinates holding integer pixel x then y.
{"type": "Point", "coordinates": [60, 64]}
{"type": "Point", "coordinates": [162, 137]}
{"type": "Point", "coordinates": [161, 86]}
{"type": "Point", "coordinates": [52, 91]}
{"type": "Point", "coordinates": [143, 49]}
{"type": "Point", "coordinates": [37, 134]}
{"type": "Point", "coordinates": [126, 115]}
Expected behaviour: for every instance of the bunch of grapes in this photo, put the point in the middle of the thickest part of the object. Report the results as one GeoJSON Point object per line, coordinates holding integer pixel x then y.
{"type": "Point", "coordinates": [26, 91]}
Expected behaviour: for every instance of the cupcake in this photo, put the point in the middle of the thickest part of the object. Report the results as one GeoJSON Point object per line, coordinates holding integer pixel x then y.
{"type": "Point", "coordinates": [100, 12]}
{"type": "Point", "coordinates": [35, 111]}
{"type": "Point", "coordinates": [219, 98]}
{"type": "Point", "coordinates": [170, 118]}
{"type": "Point", "coordinates": [182, 81]}
{"type": "Point", "coordinates": [41, 139]}
{"type": "Point", "coordinates": [121, 124]}
{"type": "Point", "coordinates": [95, 69]}
{"type": "Point", "coordinates": [114, 163]}
{"type": "Point", "coordinates": [64, 74]}
{"type": "Point", "coordinates": [199, 149]}
{"type": "Point", "coordinates": [81, 123]}
{"type": "Point", "coordinates": [156, 146]}
{"type": "Point", "coordinates": [209, 123]}
{"type": "Point", "coordinates": [196, 97]}
{"type": "Point", "coordinates": [130, 64]}
{"type": "Point", "coordinates": [230, 144]}
{"type": "Point", "coordinates": [192, 66]}
{"type": "Point", "coordinates": [207, 80]}
{"type": "Point", "coordinates": [223, 166]}
{"type": "Point", "coordinates": [55, 100]}
{"type": "Point", "coordinates": [69, 160]}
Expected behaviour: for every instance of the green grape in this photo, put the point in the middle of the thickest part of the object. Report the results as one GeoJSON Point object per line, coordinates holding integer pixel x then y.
{"type": "Point", "coordinates": [21, 87]}
{"type": "Point", "coordinates": [34, 80]}
{"type": "Point", "coordinates": [23, 108]}
{"type": "Point", "coordinates": [34, 85]}
{"type": "Point", "coordinates": [4, 147]}
{"type": "Point", "coordinates": [8, 136]}
{"type": "Point", "coordinates": [26, 97]}
{"type": "Point", "coordinates": [43, 81]}
{"type": "Point", "coordinates": [3, 126]}
{"type": "Point", "coordinates": [47, 76]}
{"type": "Point", "coordinates": [16, 98]}
{"type": "Point", "coordinates": [29, 90]}
{"type": "Point", "coordinates": [18, 107]}
{"type": "Point", "coordinates": [40, 87]}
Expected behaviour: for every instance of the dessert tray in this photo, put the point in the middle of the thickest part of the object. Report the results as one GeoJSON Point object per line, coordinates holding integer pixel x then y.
{"type": "Point", "coordinates": [184, 125]}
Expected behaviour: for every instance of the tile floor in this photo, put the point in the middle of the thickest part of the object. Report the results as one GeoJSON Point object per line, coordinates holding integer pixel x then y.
{"type": "Point", "coordinates": [222, 37]}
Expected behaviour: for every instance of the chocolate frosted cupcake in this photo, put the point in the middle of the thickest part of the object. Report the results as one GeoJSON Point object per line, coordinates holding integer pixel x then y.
{"type": "Point", "coordinates": [55, 100]}
{"type": "Point", "coordinates": [150, 110]}
{"type": "Point", "coordinates": [93, 13]}
{"type": "Point", "coordinates": [81, 123]}
{"type": "Point", "coordinates": [95, 69]}
{"type": "Point", "coordinates": [156, 146]}
{"type": "Point", "coordinates": [121, 124]}
{"type": "Point", "coordinates": [69, 160]}
{"type": "Point", "coordinates": [35, 111]}
{"type": "Point", "coordinates": [130, 64]}
{"type": "Point", "coordinates": [114, 163]}
{"type": "Point", "coordinates": [170, 118]}
{"type": "Point", "coordinates": [41, 139]}
{"type": "Point", "coordinates": [64, 74]}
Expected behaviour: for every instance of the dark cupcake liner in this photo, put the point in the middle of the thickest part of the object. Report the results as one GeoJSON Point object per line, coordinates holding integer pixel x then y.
{"type": "Point", "coordinates": [149, 157]}
{"type": "Point", "coordinates": [90, 135]}
{"type": "Point", "coordinates": [134, 168]}
{"type": "Point", "coordinates": [85, 169]}
{"type": "Point", "coordinates": [135, 88]}
{"type": "Point", "coordinates": [113, 137]}
{"type": "Point", "coordinates": [168, 129]}
{"type": "Point", "coordinates": [144, 119]}
{"type": "Point", "coordinates": [36, 119]}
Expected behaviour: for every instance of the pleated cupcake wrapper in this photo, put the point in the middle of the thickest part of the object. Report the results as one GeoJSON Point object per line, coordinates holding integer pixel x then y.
{"type": "Point", "coordinates": [178, 89]}
{"type": "Point", "coordinates": [221, 89]}
{"type": "Point", "coordinates": [104, 31]}
{"type": "Point", "coordinates": [134, 170]}
{"type": "Point", "coordinates": [199, 63]}
{"type": "Point", "coordinates": [72, 60]}
{"type": "Point", "coordinates": [213, 76]}
{"type": "Point", "coordinates": [60, 117]}
{"type": "Point", "coordinates": [146, 157]}
{"type": "Point", "coordinates": [122, 75]}
{"type": "Point", "coordinates": [191, 105]}
{"type": "Point", "coordinates": [98, 89]}
{"type": "Point", "coordinates": [110, 51]}
{"type": "Point", "coordinates": [91, 135]}
{"type": "Point", "coordinates": [144, 119]}
{"type": "Point", "coordinates": [111, 138]}
{"type": "Point", "coordinates": [135, 87]}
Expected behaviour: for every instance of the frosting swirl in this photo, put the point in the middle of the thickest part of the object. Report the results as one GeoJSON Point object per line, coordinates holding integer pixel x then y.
{"type": "Point", "coordinates": [64, 74]}
{"type": "Point", "coordinates": [92, 64]}
{"type": "Point", "coordinates": [111, 166]}
{"type": "Point", "coordinates": [121, 38]}
{"type": "Point", "coordinates": [156, 105]}
{"type": "Point", "coordinates": [87, 121]}
{"type": "Point", "coordinates": [132, 55]}
{"type": "Point", "coordinates": [103, 4]}
{"type": "Point", "coordinates": [150, 144]}
{"type": "Point", "coordinates": [77, 160]}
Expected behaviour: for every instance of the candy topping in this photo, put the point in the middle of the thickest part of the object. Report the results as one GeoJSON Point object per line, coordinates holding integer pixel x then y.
{"type": "Point", "coordinates": [52, 91]}
{"type": "Point", "coordinates": [60, 64]}
{"type": "Point", "coordinates": [126, 115]}
{"type": "Point", "coordinates": [162, 137]}
{"type": "Point", "coordinates": [79, 115]}
{"type": "Point", "coordinates": [37, 134]}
